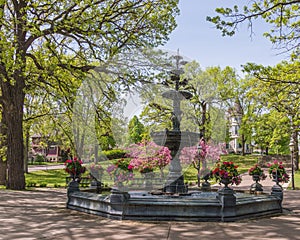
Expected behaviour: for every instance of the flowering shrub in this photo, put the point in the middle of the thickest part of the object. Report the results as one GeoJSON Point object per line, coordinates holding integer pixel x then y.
{"type": "Point", "coordinates": [123, 163]}
{"type": "Point", "coordinates": [190, 155]}
{"type": "Point", "coordinates": [226, 171]}
{"type": "Point", "coordinates": [120, 171]}
{"type": "Point", "coordinates": [74, 167]}
{"type": "Point", "coordinates": [199, 159]}
{"type": "Point", "coordinates": [276, 170]}
{"type": "Point", "coordinates": [257, 171]}
{"type": "Point", "coordinates": [147, 156]}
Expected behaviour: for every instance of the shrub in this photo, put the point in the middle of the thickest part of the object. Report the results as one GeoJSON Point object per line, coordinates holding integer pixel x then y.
{"type": "Point", "coordinates": [115, 154]}
{"type": "Point", "coordinates": [39, 158]}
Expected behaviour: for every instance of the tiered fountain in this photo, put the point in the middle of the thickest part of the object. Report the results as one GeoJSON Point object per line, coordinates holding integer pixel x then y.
{"type": "Point", "coordinates": [176, 139]}
{"type": "Point", "coordinates": [175, 203]}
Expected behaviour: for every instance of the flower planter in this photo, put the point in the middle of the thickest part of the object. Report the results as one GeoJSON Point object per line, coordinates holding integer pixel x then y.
{"type": "Point", "coordinates": [278, 173]}
{"type": "Point", "coordinates": [226, 182]}
{"type": "Point", "coordinates": [256, 178]}
{"type": "Point", "coordinates": [256, 187]}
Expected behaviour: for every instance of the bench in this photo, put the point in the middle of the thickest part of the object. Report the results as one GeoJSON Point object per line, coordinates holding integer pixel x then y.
{"type": "Point", "coordinates": [89, 181]}
{"type": "Point", "coordinates": [84, 181]}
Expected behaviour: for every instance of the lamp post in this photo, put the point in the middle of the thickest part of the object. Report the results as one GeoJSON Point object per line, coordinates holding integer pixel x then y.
{"type": "Point", "coordinates": [291, 145]}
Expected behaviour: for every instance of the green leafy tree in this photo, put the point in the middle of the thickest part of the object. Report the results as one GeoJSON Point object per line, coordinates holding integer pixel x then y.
{"type": "Point", "coordinates": [42, 32]}
{"type": "Point", "coordinates": [136, 130]}
{"type": "Point", "coordinates": [277, 88]}
{"type": "Point", "coordinates": [210, 89]}
{"type": "Point", "coordinates": [282, 16]}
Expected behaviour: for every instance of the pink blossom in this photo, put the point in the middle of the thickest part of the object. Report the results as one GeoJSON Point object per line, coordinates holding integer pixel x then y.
{"type": "Point", "coordinates": [148, 155]}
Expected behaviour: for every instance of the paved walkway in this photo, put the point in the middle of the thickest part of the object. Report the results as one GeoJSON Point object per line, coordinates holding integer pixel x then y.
{"type": "Point", "coordinates": [41, 214]}
{"type": "Point", "coordinates": [32, 168]}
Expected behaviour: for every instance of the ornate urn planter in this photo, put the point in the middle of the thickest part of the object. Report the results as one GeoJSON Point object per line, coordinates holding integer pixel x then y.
{"type": "Point", "coordinates": [226, 182]}
{"type": "Point", "coordinates": [256, 187]}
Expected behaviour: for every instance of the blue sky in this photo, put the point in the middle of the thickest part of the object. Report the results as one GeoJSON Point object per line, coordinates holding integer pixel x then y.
{"type": "Point", "coordinates": [198, 39]}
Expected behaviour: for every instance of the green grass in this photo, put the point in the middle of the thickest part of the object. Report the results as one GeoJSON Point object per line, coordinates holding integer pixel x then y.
{"type": "Point", "coordinates": [246, 161]}
{"type": "Point", "coordinates": [56, 178]}
{"type": "Point", "coordinates": [52, 178]}
{"type": "Point", "coordinates": [296, 181]}
{"type": "Point", "coordinates": [243, 162]}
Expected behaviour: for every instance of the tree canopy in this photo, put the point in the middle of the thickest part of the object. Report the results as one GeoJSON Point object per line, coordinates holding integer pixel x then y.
{"type": "Point", "coordinates": [67, 36]}
{"type": "Point", "coordinates": [282, 16]}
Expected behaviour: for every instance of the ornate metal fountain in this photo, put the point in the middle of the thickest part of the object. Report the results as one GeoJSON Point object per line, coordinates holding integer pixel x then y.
{"type": "Point", "coordinates": [195, 205]}
{"type": "Point", "coordinates": [176, 139]}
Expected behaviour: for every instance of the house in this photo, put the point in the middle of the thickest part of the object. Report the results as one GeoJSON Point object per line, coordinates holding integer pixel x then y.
{"type": "Point", "coordinates": [54, 153]}
{"type": "Point", "coordinates": [235, 116]}
{"type": "Point", "coordinates": [41, 146]}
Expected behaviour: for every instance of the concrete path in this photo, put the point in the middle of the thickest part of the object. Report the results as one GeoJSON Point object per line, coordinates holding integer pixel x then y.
{"type": "Point", "coordinates": [41, 214]}
{"type": "Point", "coordinates": [32, 168]}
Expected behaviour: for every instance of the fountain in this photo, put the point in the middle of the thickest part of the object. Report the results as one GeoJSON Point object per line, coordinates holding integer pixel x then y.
{"type": "Point", "coordinates": [175, 202]}
{"type": "Point", "coordinates": [176, 139]}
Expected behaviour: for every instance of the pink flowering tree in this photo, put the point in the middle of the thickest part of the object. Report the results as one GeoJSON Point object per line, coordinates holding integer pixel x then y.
{"type": "Point", "coordinates": [199, 156]}
{"type": "Point", "coordinates": [147, 156]}
{"type": "Point", "coordinates": [120, 171]}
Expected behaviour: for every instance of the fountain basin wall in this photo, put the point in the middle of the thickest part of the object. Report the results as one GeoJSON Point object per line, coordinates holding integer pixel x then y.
{"type": "Point", "coordinates": [195, 207]}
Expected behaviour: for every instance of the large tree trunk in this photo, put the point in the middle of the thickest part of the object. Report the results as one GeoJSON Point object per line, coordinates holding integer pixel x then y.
{"type": "Point", "coordinates": [243, 144]}
{"type": "Point", "coordinates": [96, 149]}
{"type": "Point", "coordinates": [26, 149]}
{"type": "Point", "coordinates": [3, 170]}
{"type": "Point", "coordinates": [203, 120]}
{"type": "Point", "coordinates": [13, 101]}
{"type": "Point", "coordinates": [3, 164]}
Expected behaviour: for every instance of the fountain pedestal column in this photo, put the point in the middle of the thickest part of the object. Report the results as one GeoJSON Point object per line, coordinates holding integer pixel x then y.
{"type": "Point", "coordinates": [175, 180]}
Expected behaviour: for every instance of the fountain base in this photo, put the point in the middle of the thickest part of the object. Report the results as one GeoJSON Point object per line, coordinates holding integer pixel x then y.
{"type": "Point", "coordinates": [194, 206]}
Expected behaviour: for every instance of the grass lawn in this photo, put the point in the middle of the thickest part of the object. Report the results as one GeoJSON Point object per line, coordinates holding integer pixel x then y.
{"type": "Point", "coordinates": [46, 178]}
{"type": "Point", "coordinates": [56, 178]}
{"type": "Point", "coordinates": [296, 180]}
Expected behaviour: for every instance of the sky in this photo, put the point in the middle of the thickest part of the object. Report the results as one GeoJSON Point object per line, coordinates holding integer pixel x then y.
{"type": "Point", "coordinates": [199, 40]}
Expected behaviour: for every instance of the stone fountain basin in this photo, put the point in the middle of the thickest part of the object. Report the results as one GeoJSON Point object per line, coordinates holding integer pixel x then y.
{"type": "Point", "coordinates": [196, 206]}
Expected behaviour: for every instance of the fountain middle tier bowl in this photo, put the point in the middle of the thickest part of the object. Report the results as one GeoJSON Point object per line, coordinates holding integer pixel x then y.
{"type": "Point", "coordinates": [175, 138]}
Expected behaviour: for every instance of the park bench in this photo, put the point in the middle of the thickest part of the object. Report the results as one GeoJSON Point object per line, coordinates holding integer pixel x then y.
{"type": "Point", "coordinates": [89, 181]}
{"type": "Point", "coordinates": [84, 181]}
